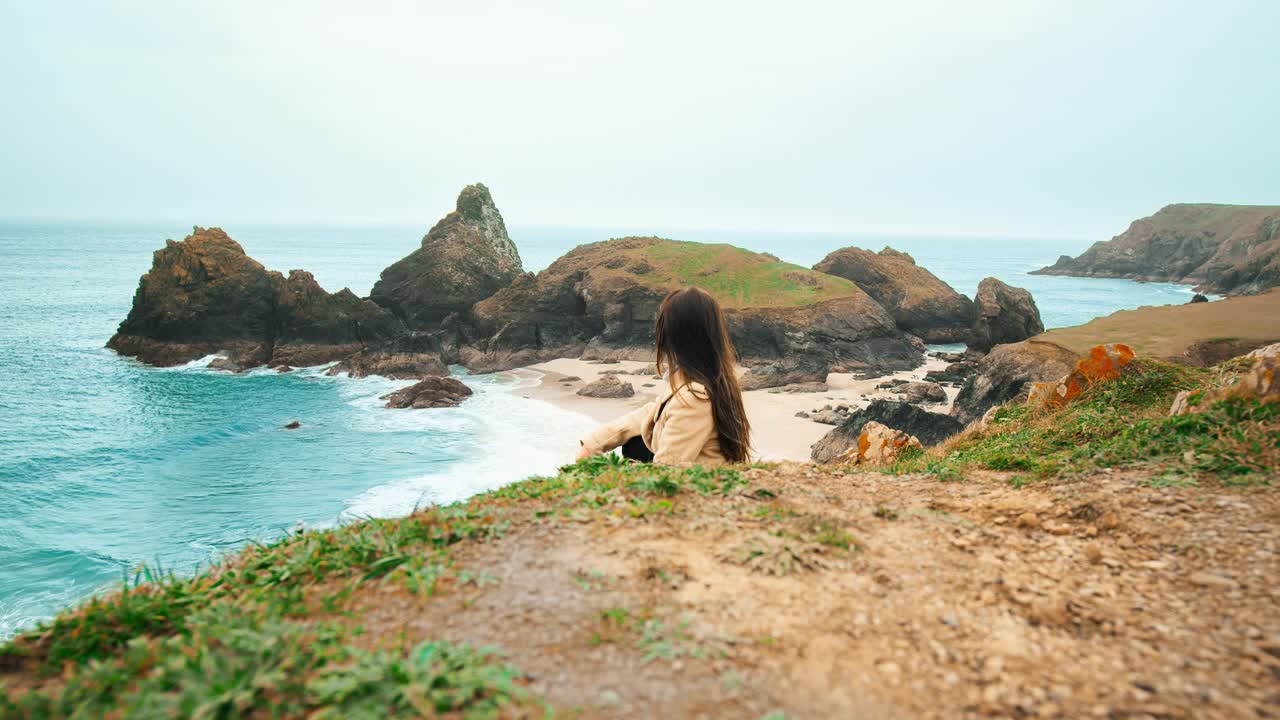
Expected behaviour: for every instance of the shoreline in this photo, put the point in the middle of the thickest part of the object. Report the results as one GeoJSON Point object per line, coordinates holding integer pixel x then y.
{"type": "Point", "coordinates": [776, 432]}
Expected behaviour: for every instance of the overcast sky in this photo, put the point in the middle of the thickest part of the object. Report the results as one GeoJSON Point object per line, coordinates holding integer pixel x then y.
{"type": "Point", "coordinates": [1015, 118]}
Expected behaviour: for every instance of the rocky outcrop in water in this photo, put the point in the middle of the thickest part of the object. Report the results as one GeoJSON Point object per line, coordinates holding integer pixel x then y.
{"type": "Point", "coordinates": [464, 259]}
{"type": "Point", "coordinates": [929, 428]}
{"type": "Point", "coordinates": [1224, 249]}
{"type": "Point", "coordinates": [204, 295]}
{"type": "Point", "coordinates": [1006, 372]}
{"type": "Point", "coordinates": [918, 301]}
{"type": "Point", "coordinates": [1003, 314]}
{"type": "Point", "coordinates": [433, 392]}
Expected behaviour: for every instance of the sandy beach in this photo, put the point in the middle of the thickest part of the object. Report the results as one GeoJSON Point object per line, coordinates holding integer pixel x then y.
{"type": "Point", "coordinates": [777, 434]}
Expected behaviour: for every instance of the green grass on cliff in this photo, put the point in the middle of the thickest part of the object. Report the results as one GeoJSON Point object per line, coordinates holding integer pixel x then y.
{"type": "Point", "coordinates": [270, 632]}
{"type": "Point", "coordinates": [1124, 424]}
{"type": "Point", "coordinates": [738, 278]}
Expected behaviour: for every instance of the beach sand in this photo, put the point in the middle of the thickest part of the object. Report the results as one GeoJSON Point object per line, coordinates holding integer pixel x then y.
{"type": "Point", "coordinates": [776, 432]}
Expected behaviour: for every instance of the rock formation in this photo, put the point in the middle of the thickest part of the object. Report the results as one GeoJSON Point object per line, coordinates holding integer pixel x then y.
{"type": "Point", "coordinates": [204, 295]}
{"type": "Point", "coordinates": [918, 301]}
{"type": "Point", "coordinates": [608, 386]}
{"type": "Point", "coordinates": [1003, 314]}
{"type": "Point", "coordinates": [932, 310]}
{"type": "Point", "coordinates": [923, 392]}
{"type": "Point", "coordinates": [780, 374]}
{"type": "Point", "coordinates": [1103, 363]}
{"type": "Point", "coordinates": [433, 392]}
{"type": "Point", "coordinates": [1260, 382]}
{"type": "Point", "coordinates": [465, 258]}
{"type": "Point", "coordinates": [600, 300]}
{"type": "Point", "coordinates": [1006, 372]}
{"type": "Point", "coordinates": [878, 444]}
{"type": "Point", "coordinates": [1225, 249]}
{"type": "Point", "coordinates": [929, 428]}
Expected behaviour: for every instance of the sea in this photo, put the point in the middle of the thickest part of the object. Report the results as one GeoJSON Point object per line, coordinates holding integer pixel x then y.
{"type": "Point", "coordinates": [107, 464]}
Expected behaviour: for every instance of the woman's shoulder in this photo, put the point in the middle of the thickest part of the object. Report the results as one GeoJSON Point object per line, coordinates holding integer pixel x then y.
{"type": "Point", "coordinates": [692, 394]}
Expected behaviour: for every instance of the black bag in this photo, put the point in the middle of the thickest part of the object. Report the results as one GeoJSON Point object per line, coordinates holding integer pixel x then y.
{"type": "Point", "coordinates": [635, 449]}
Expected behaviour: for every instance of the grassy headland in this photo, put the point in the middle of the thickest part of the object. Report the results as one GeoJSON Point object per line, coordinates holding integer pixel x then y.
{"type": "Point", "coordinates": [738, 278]}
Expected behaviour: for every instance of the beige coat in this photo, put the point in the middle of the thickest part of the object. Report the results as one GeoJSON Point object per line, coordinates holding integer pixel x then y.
{"type": "Point", "coordinates": [684, 432]}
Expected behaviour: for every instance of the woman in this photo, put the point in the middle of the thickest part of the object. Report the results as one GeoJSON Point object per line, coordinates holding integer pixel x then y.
{"type": "Point", "coordinates": [699, 417]}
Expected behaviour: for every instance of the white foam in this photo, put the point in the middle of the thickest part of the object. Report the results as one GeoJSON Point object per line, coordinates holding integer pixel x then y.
{"type": "Point", "coordinates": [494, 438]}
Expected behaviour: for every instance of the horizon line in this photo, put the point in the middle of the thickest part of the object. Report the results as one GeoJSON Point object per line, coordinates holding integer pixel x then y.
{"type": "Point", "coordinates": [627, 229]}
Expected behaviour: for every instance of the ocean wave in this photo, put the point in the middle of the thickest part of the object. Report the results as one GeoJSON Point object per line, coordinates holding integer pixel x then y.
{"type": "Point", "coordinates": [501, 437]}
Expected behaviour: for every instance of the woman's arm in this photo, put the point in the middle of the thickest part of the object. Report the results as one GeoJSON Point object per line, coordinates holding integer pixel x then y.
{"type": "Point", "coordinates": [616, 432]}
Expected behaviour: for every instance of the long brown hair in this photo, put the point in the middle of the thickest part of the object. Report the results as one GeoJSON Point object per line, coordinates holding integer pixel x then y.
{"type": "Point", "coordinates": [693, 341]}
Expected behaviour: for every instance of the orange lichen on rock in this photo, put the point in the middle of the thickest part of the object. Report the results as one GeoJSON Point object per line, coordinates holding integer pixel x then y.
{"type": "Point", "coordinates": [1103, 363]}
{"type": "Point", "coordinates": [879, 443]}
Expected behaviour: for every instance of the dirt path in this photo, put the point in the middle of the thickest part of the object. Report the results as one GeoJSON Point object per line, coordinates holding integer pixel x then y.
{"type": "Point", "coordinates": [1100, 598]}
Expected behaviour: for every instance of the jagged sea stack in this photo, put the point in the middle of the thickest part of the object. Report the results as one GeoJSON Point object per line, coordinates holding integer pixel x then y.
{"type": "Point", "coordinates": [464, 259]}
{"type": "Point", "coordinates": [204, 295]}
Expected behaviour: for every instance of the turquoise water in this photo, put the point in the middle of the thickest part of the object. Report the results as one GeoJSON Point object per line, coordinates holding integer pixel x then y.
{"type": "Point", "coordinates": [106, 463]}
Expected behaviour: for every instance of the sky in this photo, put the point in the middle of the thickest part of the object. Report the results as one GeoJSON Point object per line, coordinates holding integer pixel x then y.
{"type": "Point", "coordinates": [1034, 119]}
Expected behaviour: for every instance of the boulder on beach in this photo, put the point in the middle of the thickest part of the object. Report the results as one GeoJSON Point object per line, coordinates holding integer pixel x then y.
{"type": "Point", "coordinates": [1003, 314]}
{"type": "Point", "coordinates": [929, 428]}
{"type": "Point", "coordinates": [433, 392]}
{"type": "Point", "coordinates": [608, 386]}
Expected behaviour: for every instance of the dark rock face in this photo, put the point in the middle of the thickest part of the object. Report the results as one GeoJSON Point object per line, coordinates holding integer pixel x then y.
{"type": "Point", "coordinates": [408, 356]}
{"type": "Point", "coordinates": [433, 392]}
{"type": "Point", "coordinates": [929, 428]}
{"type": "Point", "coordinates": [398, 366]}
{"type": "Point", "coordinates": [955, 373]}
{"type": "Point", "coordinates": [608, 386]}
{"type": "Point", "coordinates": [783, 373]}
{"type": "Point", "coordinates": [850, 334]}
{"type": "Point", "coordinates": [1225, 249]}
{"type": "Point", "coordinates": [1005, 373]}
{"type": "Point", "coordinates": [1004, 314]}
{"type": "Point", "coordinates": [464, 259]}
{"type": "Point", "coordinates": [1197, 298]}
{"type": "Point", "coordinates": [918, 301]}
{"type": "Point", "coordinates": [204, 295]}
